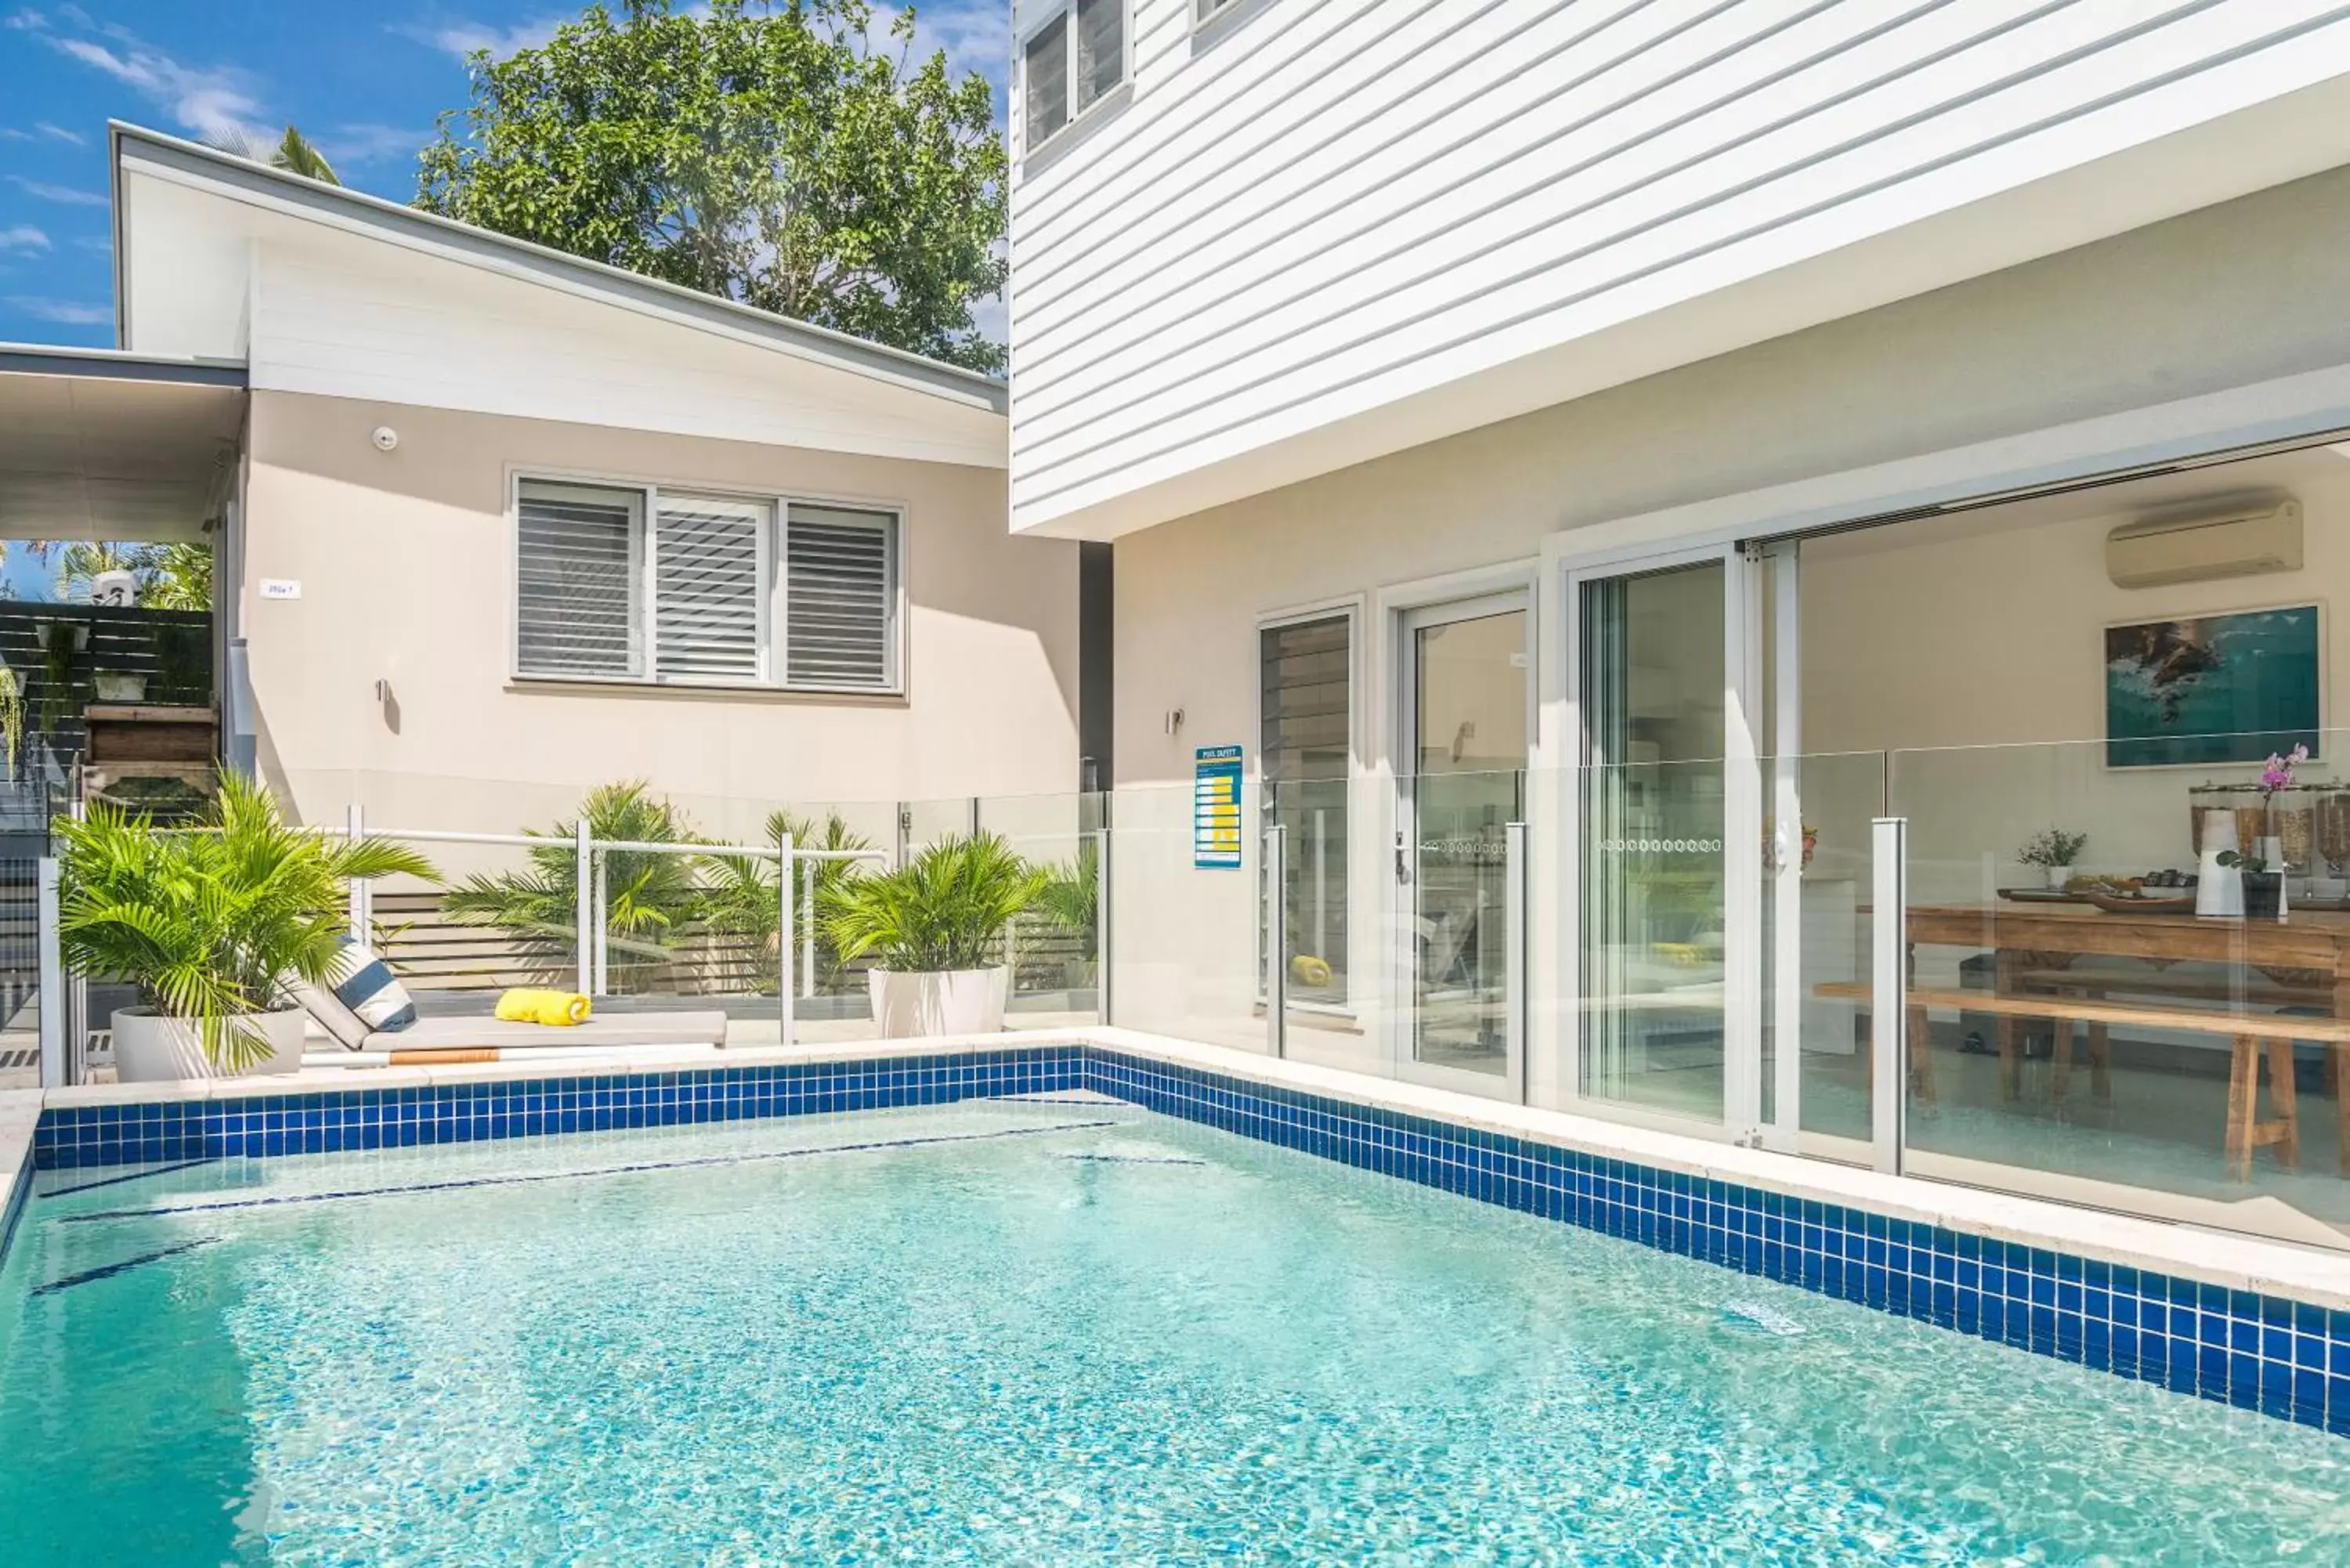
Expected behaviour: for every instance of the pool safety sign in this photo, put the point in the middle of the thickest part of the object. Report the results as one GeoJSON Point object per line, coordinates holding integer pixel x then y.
{"type": "Point", "coordinates": [1216, 808]}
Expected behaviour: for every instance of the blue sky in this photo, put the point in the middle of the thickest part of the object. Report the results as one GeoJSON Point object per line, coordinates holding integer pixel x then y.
{"type": "Point", "coordinates": [363, 81]}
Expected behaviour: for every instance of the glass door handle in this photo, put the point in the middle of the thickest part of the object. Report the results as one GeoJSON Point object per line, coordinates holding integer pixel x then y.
{"type": "Point", "coordinates": [1403, 867]}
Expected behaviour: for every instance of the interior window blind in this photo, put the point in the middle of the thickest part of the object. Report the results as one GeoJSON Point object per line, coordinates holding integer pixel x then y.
{"type": "Point", "coordinates": [578, 565]}
{"type": "Point", "coordinates": [709, 583]}
{"type": "Point", "coordinates": [840, 596]}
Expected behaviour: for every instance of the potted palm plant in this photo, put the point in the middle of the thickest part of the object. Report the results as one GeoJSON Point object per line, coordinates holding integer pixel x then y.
{"type": "Point", "coordinates": [651, 902]}
{"type": "Point", "coordinates": [209, 923]}
{"type": "Point", "coordinates": [935, 926]}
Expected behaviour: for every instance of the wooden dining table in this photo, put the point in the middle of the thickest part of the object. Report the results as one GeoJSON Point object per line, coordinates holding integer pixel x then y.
{"type": "Point", "coordinates": [2302, 961]}
{"type": "Point", "coordinates": [2308, 952]}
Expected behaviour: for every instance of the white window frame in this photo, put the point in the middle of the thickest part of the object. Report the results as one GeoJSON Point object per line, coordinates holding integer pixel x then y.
{"type": "Point", "coordinates": [1066, 18]}
{"type": "Point", "coordinates": [773, 610]}
{"type": "Point", "coordinates": [1362, 952]}
{"type": "Point", "coordinates": [1209, 17]}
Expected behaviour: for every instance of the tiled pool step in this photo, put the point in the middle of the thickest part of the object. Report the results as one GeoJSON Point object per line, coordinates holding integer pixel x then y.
{"type": "Point", "coordinates": [2217, 1337]}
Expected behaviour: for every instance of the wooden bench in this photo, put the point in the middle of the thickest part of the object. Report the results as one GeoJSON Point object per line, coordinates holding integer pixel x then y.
{"type": "Point", "coordinates": [2255, 1038]}
{"type": "Point", "coordinates": [2098, 983]}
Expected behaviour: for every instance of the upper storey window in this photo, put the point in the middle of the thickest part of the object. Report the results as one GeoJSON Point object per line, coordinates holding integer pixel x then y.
{"type": "Point", "coordinates": [1068, 65]}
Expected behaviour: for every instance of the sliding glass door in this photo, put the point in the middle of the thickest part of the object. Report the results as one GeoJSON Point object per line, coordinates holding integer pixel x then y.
{"type": "Point", "coordinates": [1669, 841]}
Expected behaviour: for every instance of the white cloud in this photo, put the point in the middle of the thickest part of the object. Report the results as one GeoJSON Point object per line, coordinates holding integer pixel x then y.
{"type": "Point", "coordinates": [68, 312]}
{"type": "Point", "coordinates": [26, 21]}
{"type": "Point", "coordinates": [369, 143]}
{"type": "Point", "coordinates": [463, 40]}
{"type": "Point", "coordinates": [59, 133]}
{"type": "Point", "coordinates": [975, 35]}
{"type": "Point", "coordinates": [211, 101]}
{"type": "Point", "coordinates": [69, 195]}
{"type": "Point", "coordinates": [10, 133]}
{"type": "Point", "coordinates": [23, 238]}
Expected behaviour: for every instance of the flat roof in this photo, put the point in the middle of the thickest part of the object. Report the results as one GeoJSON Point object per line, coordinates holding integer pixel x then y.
{"type": "Point", "coordinates": [117, 365]}
{"type": "Point", "coordinates": [98, 445]}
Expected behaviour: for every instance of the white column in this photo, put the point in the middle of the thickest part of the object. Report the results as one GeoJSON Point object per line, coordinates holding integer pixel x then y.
{"type": "Point", "coordinates": [1888, 1009]}
{"type": "Point", "coordinates": [583, 877]}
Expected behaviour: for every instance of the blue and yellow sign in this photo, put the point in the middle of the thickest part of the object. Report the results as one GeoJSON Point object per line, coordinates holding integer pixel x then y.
{"type": "Point", "coordinates": [1216, 808]}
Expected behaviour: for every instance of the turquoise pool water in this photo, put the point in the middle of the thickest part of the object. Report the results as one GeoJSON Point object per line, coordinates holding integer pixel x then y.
{"type": "Point", "coordinates": [1024, 1332]}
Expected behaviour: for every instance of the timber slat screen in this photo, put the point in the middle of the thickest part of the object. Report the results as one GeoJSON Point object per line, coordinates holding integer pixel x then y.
{"type": "Point", "coordinates": [431, 951]}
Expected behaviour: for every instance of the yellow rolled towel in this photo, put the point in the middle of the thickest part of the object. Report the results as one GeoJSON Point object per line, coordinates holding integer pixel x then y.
{"type": "Point", "coordinates": [556, 1008]}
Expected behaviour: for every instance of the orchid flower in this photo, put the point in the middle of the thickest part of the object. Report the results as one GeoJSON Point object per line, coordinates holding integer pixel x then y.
{"type": "Point", "coordinates": [2278, 774]}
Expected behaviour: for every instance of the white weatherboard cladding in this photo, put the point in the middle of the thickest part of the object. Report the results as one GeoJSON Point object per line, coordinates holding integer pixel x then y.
{"type": "Point", "coordinates": [333, 305]}
{"type": "Point", "coordinates": [1321, 209]}
{"type": "Point", "coordinates": [331, 319]}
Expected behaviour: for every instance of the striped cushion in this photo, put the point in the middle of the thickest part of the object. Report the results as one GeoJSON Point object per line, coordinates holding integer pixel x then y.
{"type": "Point", "coordinates": [323, 1005]}
{"type": "Point", "coordinates": [365, 983]}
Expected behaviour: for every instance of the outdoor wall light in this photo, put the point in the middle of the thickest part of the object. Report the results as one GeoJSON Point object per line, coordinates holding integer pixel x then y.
{"type": "Point", "coordinates": [385, 438]}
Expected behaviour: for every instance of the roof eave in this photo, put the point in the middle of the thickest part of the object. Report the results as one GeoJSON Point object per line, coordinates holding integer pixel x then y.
{"type": "Point", "coordinates": [512, 257]}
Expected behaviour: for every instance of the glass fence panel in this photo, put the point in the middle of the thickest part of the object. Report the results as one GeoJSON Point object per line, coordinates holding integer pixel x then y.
{"type": "Point", "coordinates": [1652, 946]}
{"type": "Point", "coordinates": [1054, 950]}
{"type": "Point", "coordinates": [1185, 929]}
{"type": "Point", "coordinates": [1463, 946]}
{"type": "Point", "coordinates": [1316, 817]}
{"type": "Point", "coordinates": [2116, 1008]}
{"type": "Point", "coordinates": [922, 822]}
{"type": "Point", "coordinates": [1816, 873]}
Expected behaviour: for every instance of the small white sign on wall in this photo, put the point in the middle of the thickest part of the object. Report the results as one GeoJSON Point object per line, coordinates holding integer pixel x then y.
{"type": "Point", "coordinates": [281, 588]}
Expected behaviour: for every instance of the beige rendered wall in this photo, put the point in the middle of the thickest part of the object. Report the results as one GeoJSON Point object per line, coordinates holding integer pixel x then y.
{"type": "Point", "coordinates": [2218, 299]}
{"type": "Point", "coordinates": [403, 559]}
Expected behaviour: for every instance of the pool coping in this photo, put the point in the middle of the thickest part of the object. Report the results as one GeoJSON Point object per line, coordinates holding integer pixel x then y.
{"type": "Point", "coordinates": [2307, 1274]}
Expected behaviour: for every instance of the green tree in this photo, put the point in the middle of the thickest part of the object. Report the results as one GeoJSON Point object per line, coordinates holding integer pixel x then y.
{"type": "Point", "coordinates": [293, 152]}
{"type": "Point", "coordinates": [772, 156]}
{"type": "Point", "coordinates": [171, 576]}
{"type": "Point", "coordinates": [178, 578]}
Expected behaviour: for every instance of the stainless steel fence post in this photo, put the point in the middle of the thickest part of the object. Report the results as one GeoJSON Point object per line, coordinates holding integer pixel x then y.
{"type": "Point", "coordinates": [601, 860]}
{"type": "Point", "coordinates": [1889, 987]}
{"type": "Point", "coordinates": [1276, 940]}
{"type": "Point", "coordinates": [53, 980]}
{"type": "Point", "coordinates": [1102, 1013]}
{"type": "Point", "coordinates": [1513, 895]}
{"type": "Point", "coordinates": [807, 947]}
{"type": "Point", "coordinates": [361, 913]}
{"type": "Point", "coordinates": [583, 877]}
{"type": "Point", "coordinates": [786, 926]}
{"type": "Point", "coordinates": [77, 987]}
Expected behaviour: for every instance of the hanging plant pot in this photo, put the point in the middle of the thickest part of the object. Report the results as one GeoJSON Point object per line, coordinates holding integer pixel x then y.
{"type": "Point", "coordinates": [119, 688]}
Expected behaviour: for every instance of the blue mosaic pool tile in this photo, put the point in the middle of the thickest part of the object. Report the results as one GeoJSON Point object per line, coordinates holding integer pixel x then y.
{"type": "Point", "coordinates": [364, 1118]}
{"type": "Point", "coordinates": [2286, 1359]}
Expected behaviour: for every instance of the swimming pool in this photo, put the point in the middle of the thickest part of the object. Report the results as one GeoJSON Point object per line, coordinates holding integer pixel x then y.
{"type": "Point", "coordinates": [1025, 1329]}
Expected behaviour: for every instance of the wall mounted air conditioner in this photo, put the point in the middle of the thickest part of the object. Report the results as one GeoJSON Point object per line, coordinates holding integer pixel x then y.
{"type": "Point", "coordinates": [2240, 543]}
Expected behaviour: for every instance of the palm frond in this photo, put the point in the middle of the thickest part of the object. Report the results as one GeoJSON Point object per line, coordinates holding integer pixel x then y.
{"type": "Point", "coordinates": [947, 909]}
{"type": "Point", "coordinates": [207, 924]}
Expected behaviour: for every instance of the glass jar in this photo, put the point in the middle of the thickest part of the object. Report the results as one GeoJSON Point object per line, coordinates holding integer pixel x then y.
{"type": "Point", "coordinates": [2204, 797]}
{"type": "Point", "coordinates": [2334, 827]}
{"type": "Point", "coordinates": [2293, 819]}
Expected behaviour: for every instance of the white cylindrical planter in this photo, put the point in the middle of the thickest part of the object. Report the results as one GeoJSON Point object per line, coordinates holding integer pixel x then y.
{"type": "Point", "coordinates": [149, 1049]}
{"type": "Point", "coordinates": [916, 1006]}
